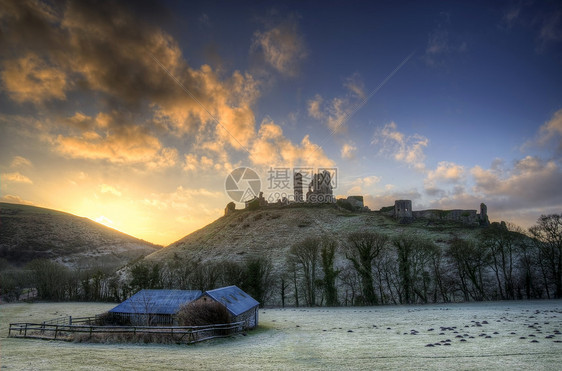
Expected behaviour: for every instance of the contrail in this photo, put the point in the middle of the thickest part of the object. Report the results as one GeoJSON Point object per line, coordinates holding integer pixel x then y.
{"type": "Point", "coordinates": [198, 102]}
{"type": "Point", "coordinates": [360, 105]}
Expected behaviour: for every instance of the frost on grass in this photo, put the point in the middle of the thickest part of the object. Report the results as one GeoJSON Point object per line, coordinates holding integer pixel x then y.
{"type": "Point", "coordinates": [481, 336]}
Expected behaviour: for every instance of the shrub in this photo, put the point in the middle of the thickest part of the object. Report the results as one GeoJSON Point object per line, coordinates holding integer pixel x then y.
{"type": "Point", "coordinates": [344, 204]}
{"type": "Point", "coordinates": [201, 313]}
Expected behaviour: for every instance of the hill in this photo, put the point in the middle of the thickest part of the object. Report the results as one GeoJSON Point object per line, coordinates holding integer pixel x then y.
{"type": "Point", "coordinates": [272, 231]}
{"type": "Point", "coordinates": [29, 232]}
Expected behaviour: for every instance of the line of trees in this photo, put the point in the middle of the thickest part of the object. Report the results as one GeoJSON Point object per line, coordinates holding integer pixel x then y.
{"type": "Point", "coordinates": [502, 264]}
{"type": "Point", "coordinates": [54, 282]}
{"type": "Point", "coordinates": [367, 269]}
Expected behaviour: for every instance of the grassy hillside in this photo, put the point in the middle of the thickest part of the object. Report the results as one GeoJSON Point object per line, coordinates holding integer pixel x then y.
{"type": "Point", "coordinates": [272, 232]}
{"type": "Point", "coordinates": [29, 232]}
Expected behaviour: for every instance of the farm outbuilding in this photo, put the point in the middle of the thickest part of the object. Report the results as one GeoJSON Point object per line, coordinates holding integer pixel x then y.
{"type": "Point", "coordinates": [241, 306]}
{"type": "Point", "coordinates": [153, 307]}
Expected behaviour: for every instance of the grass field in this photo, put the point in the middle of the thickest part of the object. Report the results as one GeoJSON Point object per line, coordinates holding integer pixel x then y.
{"type": "Point", "coordinates": [393, 337]}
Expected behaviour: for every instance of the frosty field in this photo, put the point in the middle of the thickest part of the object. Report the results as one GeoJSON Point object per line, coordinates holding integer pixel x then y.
{"type": "Point", "coordinates": [499, 335]}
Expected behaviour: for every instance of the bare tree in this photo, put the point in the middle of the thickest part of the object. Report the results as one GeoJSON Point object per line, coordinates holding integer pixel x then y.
{"type": "Point", "coordinates": [328, 252]}
{"type": "Point", "coordinates": [305, 255]}
{"type": "Point", "coordinates": [414, 255]}
{"type": "Point", "coordinates": [469, 261]}
{"type": "Point", "coordinates": [258, 278]}
{"type": "Point", "coordinates": [362, 250]}
{"type": "Point", "coordinates": [547, 235]}
{"type": "Point", "coordinates": [501, 244]}
{"type": "Point", "coordinates": [350, 283]}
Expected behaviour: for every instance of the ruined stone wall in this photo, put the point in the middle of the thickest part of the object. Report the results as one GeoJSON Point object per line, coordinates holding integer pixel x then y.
{"type": "Point", "coordinates": [469, 217]}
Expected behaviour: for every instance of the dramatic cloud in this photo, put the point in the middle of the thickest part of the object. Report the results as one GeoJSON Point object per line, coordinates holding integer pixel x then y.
{"type": "Point", "coordinates": [30, 79]}
{"type": "Point", "coordinates": [532, 182]}
{"type": "Point", "coordinates": [282, 47]}
{"type": "Point", "coordinates": [272, 148]}
{"type": "Point", "coordinates": [194, 163]}
{"type": "Point", "coordinates": [407, 149]}
{"type": "Point", "coordinates": [108, 137]}
{"type": "Point", "coordinates": [103, 48]}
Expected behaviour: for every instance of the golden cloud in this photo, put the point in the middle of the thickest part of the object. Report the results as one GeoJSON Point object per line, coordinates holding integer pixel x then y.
{"type": "Point", "coordinates": [446, 171]}
{"type": "Point", "coordinates": [15, 178]}
{"type": "Point", "coordinates": [272, 148]}
{"type": "Point", "coordinates": [30, 79]}
{"type": "Point", "coordinates": [116, 141]}
{"type": "Point", "coordinates": [348, 151]}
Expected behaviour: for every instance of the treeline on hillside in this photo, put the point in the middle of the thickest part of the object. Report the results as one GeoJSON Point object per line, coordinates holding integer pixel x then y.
{"type": "Point", "coordinates": [368, 269]}
{"type": "Point", "coordinates": [47, 280]}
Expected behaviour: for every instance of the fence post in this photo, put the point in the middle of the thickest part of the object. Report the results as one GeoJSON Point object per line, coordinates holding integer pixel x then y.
{"type": "Point", "coordinates": [56, 330]}
{"type": "Point", "coordinates": [25, 331]}
{"type": "Point", "coordinates": [70, 320]}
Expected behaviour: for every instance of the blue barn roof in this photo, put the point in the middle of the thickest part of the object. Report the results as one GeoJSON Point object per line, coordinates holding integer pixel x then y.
{"type": "Point", "coordinates": [234, 299]}
{"type": "Point", "coordinates": [157, 301]}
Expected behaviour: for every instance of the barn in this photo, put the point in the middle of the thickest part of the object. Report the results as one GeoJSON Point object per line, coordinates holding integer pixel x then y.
{"type": "Point", "coordinates": [241, 306]}
{"type": "Point", "coordinates": [153, 307]}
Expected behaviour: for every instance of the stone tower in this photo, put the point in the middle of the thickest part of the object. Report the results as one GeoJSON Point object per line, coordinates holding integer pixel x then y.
{"type": "Point", "coordinates": [484, 214]}
{"type": "Point", "coordinates": [403, 209]}
{"type": "Point", "coordinates": [297, 186]}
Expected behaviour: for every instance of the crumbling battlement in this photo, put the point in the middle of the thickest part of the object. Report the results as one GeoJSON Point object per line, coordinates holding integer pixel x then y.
{"type": "Point", "coordinates": [403, 211]}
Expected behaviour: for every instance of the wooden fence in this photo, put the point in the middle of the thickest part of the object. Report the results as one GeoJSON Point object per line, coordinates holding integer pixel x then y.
{"type": "Point", "coordinates": [69, 320]}
{"type": "Point", "coordinates": [68, 331]}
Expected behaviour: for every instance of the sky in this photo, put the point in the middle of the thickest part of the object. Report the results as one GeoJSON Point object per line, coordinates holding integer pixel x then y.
{"type": "Point", "coordinates": [133, 114]}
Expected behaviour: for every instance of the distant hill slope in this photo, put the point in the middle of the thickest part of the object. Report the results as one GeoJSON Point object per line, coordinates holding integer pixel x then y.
{"type": "Point", "coordinates": [28, 232]}
{"type": "Point", "coordinates": [271, 232]}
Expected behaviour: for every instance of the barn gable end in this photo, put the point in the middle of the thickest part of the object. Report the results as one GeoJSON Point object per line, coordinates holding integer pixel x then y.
{"type": "Point", "coordinates": [241, 306]}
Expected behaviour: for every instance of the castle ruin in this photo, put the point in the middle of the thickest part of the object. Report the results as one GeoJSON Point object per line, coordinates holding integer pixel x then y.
{"type": "Point", "coordinates": [297, 186]}
{"type": "Point", "coordinates": [320, 189]}
{"type": "Point", "coordinates": [403, 211]}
